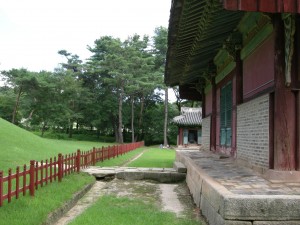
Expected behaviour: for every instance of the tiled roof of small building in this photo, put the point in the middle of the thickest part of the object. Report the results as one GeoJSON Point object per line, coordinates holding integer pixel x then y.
{"type": "Point", "coordinates": [189, 117]}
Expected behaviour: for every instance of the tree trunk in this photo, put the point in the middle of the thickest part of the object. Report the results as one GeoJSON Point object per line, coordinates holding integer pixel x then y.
{"type": "Point", "coordinates": [120, 122]}
{"type": "Point", "coordinates": [178, 100]}
{"type": "Point", "coordinates": [166, 118]}
{"type": "Point", "coordinates": [71, 129]}
{"type": "Point", "coordinates": [98, 133]}
{"type": "Point", "coordinates": [141, 117]}
{"type": "Point", "coordinates": [43, 129]}
{"type": "Point", "coordinates": [16, 106]}
{"type": "Point", "coordinates": [115, 127]}
{"type": "Point", "coordinates": [132, 119]}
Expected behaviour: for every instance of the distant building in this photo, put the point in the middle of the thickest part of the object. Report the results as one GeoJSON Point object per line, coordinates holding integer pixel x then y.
{"type": "Point", "coordinates": [189, 126]}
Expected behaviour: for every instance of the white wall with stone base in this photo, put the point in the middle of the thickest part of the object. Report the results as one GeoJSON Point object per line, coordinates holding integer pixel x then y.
{"type": "Point", "coordinates": [206, 133]}
{"type": "Point", "coordinates": [253, 132]}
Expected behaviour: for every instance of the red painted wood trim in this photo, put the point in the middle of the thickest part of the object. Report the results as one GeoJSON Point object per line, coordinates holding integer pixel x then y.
{"type": "Point", "coordinates": [249, 5]}
{"type": "Point", "coordinates": [284, 108]}
{"type": "Point", "coordinates": [272, 6]}
{"type": "Point", "coordinates": [213, 130]}
{"type": "Point", "coordinates": [267, 6]}
{"type": "Point", "coordinates": [231, 4]}
{"type": "Point", "coordinates": [271, 131]}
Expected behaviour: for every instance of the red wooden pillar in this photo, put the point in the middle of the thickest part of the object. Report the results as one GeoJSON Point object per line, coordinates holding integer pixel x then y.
{"type": "Point", "coordinates": [31, 178]}
{"type": "Point", "coordinates": [180, 135]}
{"type": "Point", "coordinates": [213, 128]}
{"type": "Point", "coordinates": [284, 107]}
{"type": "Point", "coordinates": [237, 99]}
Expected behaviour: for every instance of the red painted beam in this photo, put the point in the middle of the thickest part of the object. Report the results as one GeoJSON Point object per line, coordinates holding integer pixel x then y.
{"type": "Point", "coordinates": [230, 4]}
{"type": "Point", "coordinates": [248, 5]}
{"type": "Point", "coordinates": [271, 6]}
{"type": "Point", "coordinates": [267, 6]}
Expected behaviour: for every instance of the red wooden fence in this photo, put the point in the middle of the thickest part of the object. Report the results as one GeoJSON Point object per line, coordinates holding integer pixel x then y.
{"type": "Point", "coordinates": [41, 173]}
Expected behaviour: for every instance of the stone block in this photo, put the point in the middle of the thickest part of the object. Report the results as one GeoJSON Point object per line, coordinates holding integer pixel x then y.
{"type": "Point", "coordinates": [276, 222]}
{"type": "Point", "coordinates": [232, 222]}
{"type": "Point", "coordinates": [179, 167]}
{"type": "Point", "coordinates": [130, 175]}
{"type": "Point", "coordinates": [262, 207]}
{"type": "Point", "coordinates": [177, 177]}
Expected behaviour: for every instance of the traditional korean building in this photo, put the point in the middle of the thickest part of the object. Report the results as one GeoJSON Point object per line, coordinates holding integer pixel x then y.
{"type": "Point", "coordinates": [240, 58]}
{"type": "Point", "coordinates": [189, 127]}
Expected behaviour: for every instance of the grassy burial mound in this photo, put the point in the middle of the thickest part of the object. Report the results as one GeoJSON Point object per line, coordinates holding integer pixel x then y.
{"type": "Point", "coordinates": [18, 146]}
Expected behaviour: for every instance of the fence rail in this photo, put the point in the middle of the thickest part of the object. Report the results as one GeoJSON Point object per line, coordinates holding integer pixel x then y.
{"type": "Point", "coordinates": [41, 173]}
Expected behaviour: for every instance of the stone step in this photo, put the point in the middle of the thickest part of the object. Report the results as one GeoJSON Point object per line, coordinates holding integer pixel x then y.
{"type": "Point", "coordinates": [179, 167]}
{"type": "Point", "coordinates": [163, 175]}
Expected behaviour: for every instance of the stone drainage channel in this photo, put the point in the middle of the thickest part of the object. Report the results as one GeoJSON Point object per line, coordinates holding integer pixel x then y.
{"type": "Point", "coordinates": [163, 187]}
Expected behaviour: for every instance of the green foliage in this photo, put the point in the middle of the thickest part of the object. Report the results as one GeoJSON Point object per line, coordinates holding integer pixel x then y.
{"type": "Point", "coordinates": [7, 99]}
{"type": "Point", "coordinates": [154, 125]}
{"type": "Point", "coordinates": [110, 210]}
{"type": "Point", "coordinates": [115, 91]}
{"type": "Point", "coordinates": [155, 157]}
{"type": "Point", "coordinates": [34, 211]}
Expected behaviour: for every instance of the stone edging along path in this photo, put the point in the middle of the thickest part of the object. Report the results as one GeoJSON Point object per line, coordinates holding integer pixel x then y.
{"type": "Point", "coordinates": [61, 211]}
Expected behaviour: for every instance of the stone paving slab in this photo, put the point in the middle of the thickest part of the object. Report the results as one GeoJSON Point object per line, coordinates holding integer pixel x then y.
{"type": "Point", "coordinates": [164, 175]}
{"type": "Point", "coordinates": [231, 194]}
{"type": "Point", "coordinates": [238, 179]}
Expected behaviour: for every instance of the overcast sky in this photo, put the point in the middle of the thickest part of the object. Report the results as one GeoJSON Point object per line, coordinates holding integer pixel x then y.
{"type": "Point", "coordinates": [33, 31]}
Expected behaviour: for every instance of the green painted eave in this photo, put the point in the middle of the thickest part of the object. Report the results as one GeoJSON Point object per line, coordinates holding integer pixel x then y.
{"type": "Point", "coordinates": [197, 31]}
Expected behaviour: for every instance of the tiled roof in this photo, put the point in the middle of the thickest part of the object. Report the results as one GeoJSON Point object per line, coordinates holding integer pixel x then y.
{"type": "Point", "coordinates": [189, 117]}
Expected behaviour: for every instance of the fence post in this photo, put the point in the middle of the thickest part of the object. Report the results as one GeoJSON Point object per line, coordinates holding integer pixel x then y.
{"type": "Point", "coordinates": [60, 169]}
{"type": "Point", "coordinates": [9, 186]}
{"type": "Point", "coordinates": [78, 161]}
{"type": "Point", "coordinates": [1, 188]}
{"type": "Point", "coordinates": [31, 177]}
{"type": "Point", "coordinates": [24, 180]}
{"type": "Point", "coordinates": [17, 181]}
{"type": "Point", "coordinates": [94, 156]}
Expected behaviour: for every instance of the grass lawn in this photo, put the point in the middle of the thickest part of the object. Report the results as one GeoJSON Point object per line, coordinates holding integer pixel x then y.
{"type": "Point", "coordinates": [34, 211]}
{"type": "Point", "coordinates": [155, 157]}
{"type": "Point", "coordinates": [119, 161]}
{"type": "Point", "coordinates": [110, 210]}
{"type": "Point", "coordinates": [18, 146]}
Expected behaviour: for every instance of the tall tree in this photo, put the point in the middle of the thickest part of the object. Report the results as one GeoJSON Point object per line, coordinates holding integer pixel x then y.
{"type": "Point", "coordinates": [73, 89]}
{"type": "Point", "coordinates": [160, 51]}
{"type": "Point", "coordinates": [110, 56]}
{"type": "Point", "coordinates": [22, 81]}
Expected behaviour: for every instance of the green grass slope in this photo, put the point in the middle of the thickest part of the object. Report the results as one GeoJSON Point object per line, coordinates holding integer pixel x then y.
{"type": "Point", "coordinates": [18, 146]}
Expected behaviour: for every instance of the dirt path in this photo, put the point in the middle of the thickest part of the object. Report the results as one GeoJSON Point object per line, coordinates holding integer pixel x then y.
{"type": "Point", "coordinates": [136, 157]}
